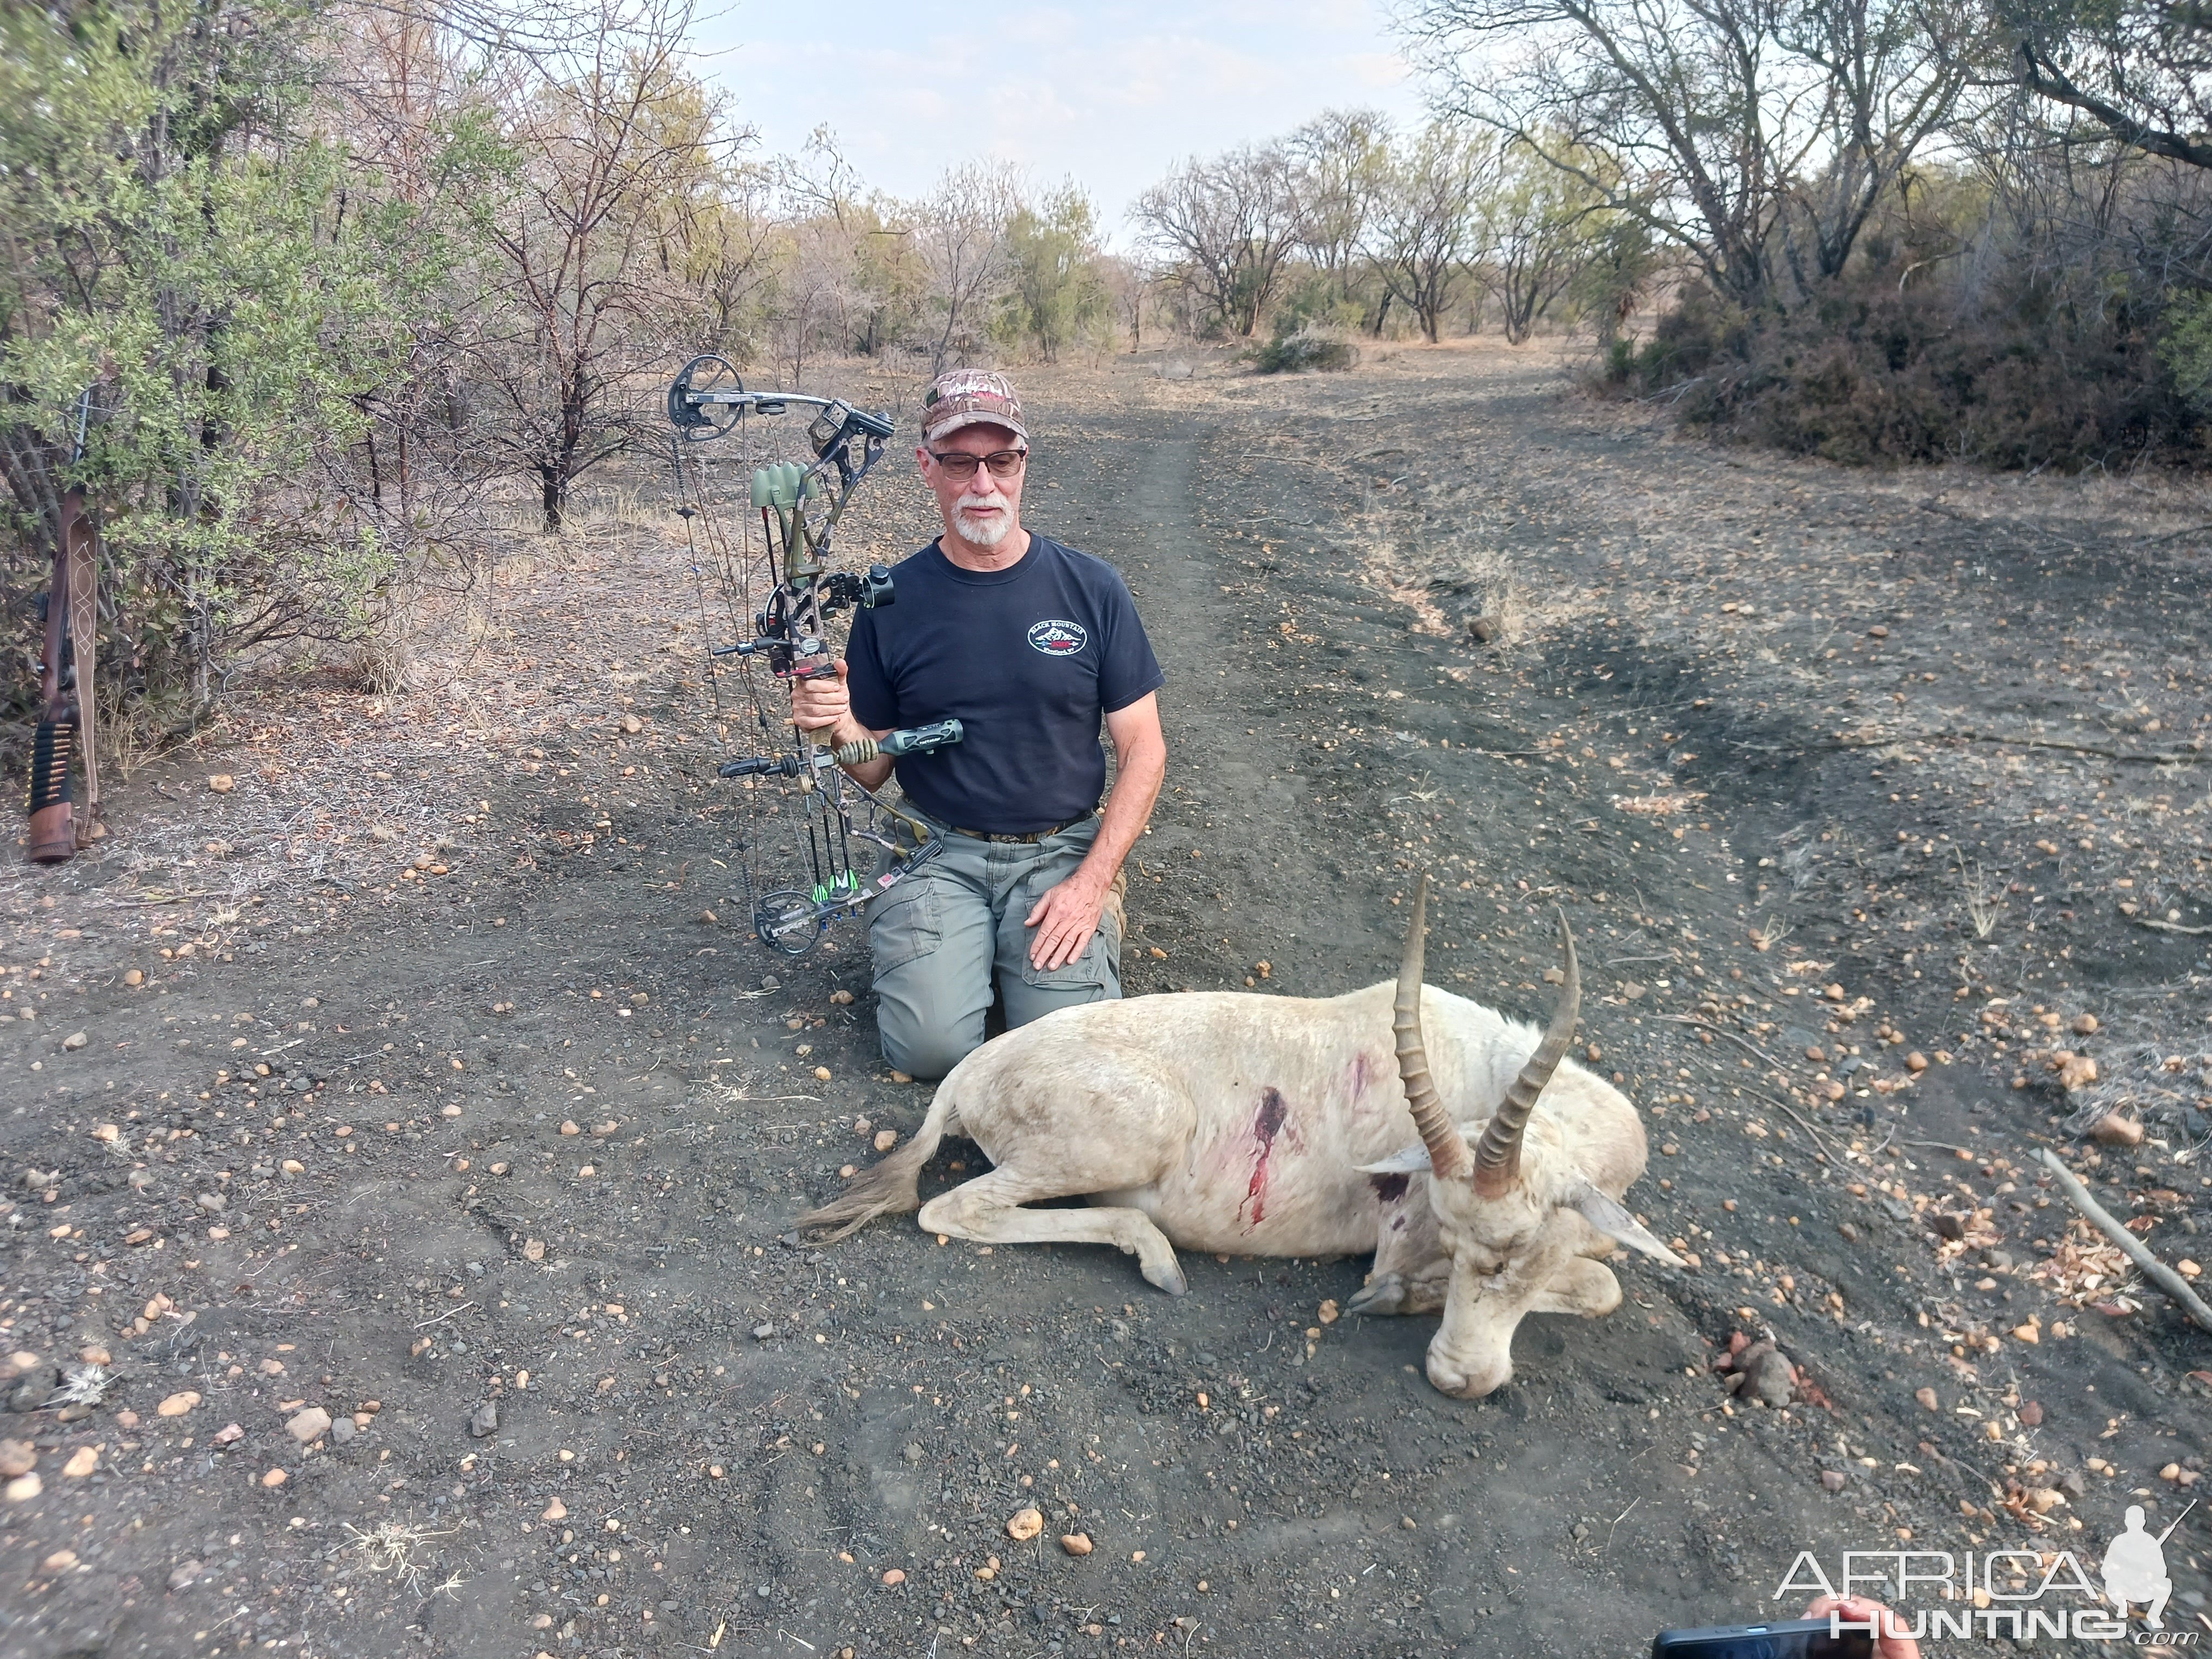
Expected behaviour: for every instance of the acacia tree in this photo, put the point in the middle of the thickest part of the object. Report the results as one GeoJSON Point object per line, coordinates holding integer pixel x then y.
{"type": "Point", "coordinates": [1541, 226]}
{"type": "Point", "coordinates": [181, 238]}
{"type": "Point", "coordinates": [1340, 168]}
{"type": "Point", "coordinates": [1229, 223]}
{"type": "Point", "coordinates": [1427, 228]}
{"type": "Point", "coordinates": [1054, 290]}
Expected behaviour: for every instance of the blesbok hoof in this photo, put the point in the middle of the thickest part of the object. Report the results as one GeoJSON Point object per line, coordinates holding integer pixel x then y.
{"type": "Point", "coordinates": [1385, 1294]}
{"type": "Point", "coordinates": [1167, 1276]}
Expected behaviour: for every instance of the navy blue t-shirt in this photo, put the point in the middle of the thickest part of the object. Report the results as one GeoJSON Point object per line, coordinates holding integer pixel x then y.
{"type": "Point", "coordinates": [1029, 660]}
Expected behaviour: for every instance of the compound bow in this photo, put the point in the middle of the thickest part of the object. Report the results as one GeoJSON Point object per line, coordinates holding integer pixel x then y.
{"type": "Point", "coordinates": [799, 507]}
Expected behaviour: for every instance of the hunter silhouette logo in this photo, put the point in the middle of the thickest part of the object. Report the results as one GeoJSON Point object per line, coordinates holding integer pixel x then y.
{"type": "Point", "coordinates": [1058, 638]}
{"type": "Point", "coordinates": [2135, 1568]}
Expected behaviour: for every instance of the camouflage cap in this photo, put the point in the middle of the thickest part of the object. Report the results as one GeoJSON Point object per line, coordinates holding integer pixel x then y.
{"type": "Point", "coordinates": [970, 396]}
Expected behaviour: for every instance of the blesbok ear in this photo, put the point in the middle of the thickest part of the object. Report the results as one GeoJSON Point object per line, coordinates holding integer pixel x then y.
{"type": "Point", "coordinates": [1408, 1160]}
{"type": "Point", "coordinates": [1612, 1219]}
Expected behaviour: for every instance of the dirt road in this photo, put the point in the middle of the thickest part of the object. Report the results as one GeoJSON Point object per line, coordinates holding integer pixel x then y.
{"type": "Point", "coordinates": [450, 1080]}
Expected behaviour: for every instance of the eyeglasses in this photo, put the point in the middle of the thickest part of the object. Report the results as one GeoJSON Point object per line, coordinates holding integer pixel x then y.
{"type": "Point", "coordinates": [960, 467]}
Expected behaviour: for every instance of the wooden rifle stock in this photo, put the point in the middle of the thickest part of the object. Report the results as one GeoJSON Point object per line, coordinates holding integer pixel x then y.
{"type": "Point", "coordinates": [53, 830]}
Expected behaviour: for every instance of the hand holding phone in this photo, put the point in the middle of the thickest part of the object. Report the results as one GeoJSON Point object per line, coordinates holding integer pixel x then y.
{"type": "Point", "coordinates": [1803, 1638]}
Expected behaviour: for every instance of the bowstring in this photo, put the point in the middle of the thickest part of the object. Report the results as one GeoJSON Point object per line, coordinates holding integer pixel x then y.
{"type": "Point", "coordinates": [822, 829]}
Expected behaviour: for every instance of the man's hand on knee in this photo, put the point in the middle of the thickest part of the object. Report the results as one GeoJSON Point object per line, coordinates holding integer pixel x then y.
{"type": "Point", "coordinates": [1065, 919]}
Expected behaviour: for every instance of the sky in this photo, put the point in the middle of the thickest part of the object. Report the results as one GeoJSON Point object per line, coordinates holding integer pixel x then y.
{"type": "Point", "coordinates": [1111, 94]}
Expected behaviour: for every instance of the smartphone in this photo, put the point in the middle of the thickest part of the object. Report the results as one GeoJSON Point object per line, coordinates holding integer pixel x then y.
{"type": "Point", "coordinates": [1796, 1638]}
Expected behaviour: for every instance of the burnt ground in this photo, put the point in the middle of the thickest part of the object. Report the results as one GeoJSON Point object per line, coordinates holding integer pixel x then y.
{"type": "Point", "coordinates": [429, 1064]}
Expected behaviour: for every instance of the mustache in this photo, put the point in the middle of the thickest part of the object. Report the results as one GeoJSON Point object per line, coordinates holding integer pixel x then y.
{"type": "Point", "coordinates": [978, 503]}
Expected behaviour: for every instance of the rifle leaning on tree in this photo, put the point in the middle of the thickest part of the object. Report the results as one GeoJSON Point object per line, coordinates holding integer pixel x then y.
{"type": "Point", "coordinates": [70, 611]}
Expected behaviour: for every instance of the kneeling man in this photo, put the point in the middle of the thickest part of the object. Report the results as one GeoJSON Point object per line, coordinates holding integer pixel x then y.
{"type": "Point", "coordinates": [1030, 645]}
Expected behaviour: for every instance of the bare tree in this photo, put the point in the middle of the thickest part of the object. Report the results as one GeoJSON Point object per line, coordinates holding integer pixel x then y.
{"type": "Point", "coordinates": [1738, 130]}
{"type": "Point", "coordinates": [1133, 281]}
{"type": "Point", "coordinates": [1425, 227]}
{"type": "Point", "coordinates": [601, 135]}
{"type": "Point", "coordinates": [2140, 71]}
{"type": "Point", "coordinates": [960, 237]}
{"type": "Point", "coordinates": [1231, 222]}
{"type": "Point", "coordinates": [1890, 73]}
{"type": "Point", "coordinates": [720, 247]}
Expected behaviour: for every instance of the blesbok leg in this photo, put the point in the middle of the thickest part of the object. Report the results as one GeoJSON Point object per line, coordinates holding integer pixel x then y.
{"type": "Point", "coordinates": [988, 1210]}
{"type": "Point", "coordinates": [1582, 1286]}
{"type": "Point", "coordinates": [1411, 1272]}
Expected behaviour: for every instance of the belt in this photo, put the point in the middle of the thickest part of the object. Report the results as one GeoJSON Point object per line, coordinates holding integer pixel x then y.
{"type": "Point", "coordinates": [986, 835]}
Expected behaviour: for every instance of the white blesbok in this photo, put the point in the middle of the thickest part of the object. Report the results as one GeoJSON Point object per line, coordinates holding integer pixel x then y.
{"type": "Point", "coordinates": [1277, 1125]}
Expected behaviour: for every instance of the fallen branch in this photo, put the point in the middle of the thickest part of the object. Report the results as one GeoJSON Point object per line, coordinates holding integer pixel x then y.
{"type": "Point", "coordinates": [2131, 1247]}
{"type": "Point", "coordinates": [1707, 1025]}
{"type": "Point", "coordinates": [1821, 1144]}
{"type": "Point", "coordinates": [2169, 927]}
{"type": "Point", "coordinates": [2170, 758]}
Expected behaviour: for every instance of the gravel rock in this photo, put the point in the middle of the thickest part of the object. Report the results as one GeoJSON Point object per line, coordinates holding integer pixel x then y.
{"type": "Point", "coordinates": [1076, 1543]}
{"type": "Point", "coordinates": [1834, 1479]}
{"type": "Point", "coordinates": [1024, 1525]}
{"type": "Point", "coordinates": [1927, 1399]}
{"type": "Point", "coordinates": [185, 1576]}
{"type": "Point", "coordinates": [914, 1452]}
{"type": "Point", "coordinates": [2115, 1130]}
{"type": "Point", "coordinates": [24, 1487]}
{"type": "Point", "coordinates": [31, 1392]}
{"type": "Point", "coordinates": [178, 1404]}
{"type": "Point", "coordinates": [761, 1332]}
{"type": "Point", "coordinates": [1769, 1379]}
{"type": "Point", "coordinates": [484, 1420]}
{"type": "Point", "coordinates": [309, 1425]}
{"type": "Point", "coordinates": [17, 1457]}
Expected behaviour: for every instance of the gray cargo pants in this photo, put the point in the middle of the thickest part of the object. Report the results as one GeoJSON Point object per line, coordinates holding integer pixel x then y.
{"type": "Point", "coordinates": [942, 935]}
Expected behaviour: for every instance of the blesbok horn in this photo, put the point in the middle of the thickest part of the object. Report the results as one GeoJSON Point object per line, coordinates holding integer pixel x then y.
{"type": "Point", "coordinates": [1498, 1153]}
{"type": "Point", "coordinates": [1447, 1154]}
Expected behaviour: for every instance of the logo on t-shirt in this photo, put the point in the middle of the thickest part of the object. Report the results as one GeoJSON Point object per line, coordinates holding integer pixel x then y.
{"type": "Point", "coordinates": [1058, 638]}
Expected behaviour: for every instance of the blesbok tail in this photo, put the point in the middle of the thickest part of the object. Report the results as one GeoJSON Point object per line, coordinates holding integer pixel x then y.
{"type": "Point", "coordinates": [893, 1186]}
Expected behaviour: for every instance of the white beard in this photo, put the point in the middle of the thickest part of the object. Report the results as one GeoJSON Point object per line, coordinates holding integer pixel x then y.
{"type": "Point", "coordinates": [983, 533]}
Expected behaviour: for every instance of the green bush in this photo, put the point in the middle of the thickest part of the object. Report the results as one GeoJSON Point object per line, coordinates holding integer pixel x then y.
{"type": "Point", "coordinates": [1305, 349]}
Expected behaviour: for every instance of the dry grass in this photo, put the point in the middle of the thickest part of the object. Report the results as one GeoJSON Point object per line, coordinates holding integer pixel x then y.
{"type": "Point", "coordinates": [1979, 895]}
{"type": "Point", "coordinates": [403, 1550]}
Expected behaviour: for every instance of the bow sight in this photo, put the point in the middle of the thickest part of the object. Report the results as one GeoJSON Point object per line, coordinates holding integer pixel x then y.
{"type": "Point", "coordinates": [800, 508]}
